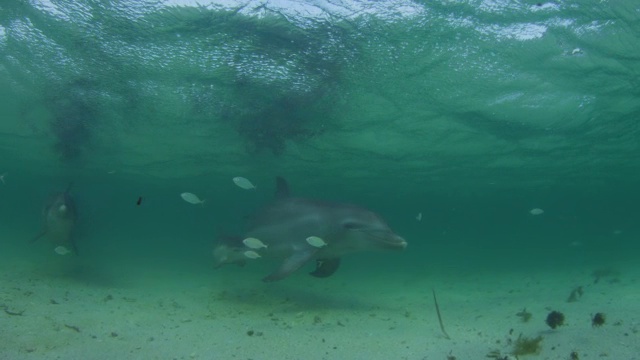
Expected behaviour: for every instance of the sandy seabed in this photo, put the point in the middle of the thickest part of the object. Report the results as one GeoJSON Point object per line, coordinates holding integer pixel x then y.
{"type": "Point", "coordinates": [67, 308]}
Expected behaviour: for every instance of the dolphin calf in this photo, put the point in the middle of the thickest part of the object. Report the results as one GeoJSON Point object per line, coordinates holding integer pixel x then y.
{"type": "Point", "coordinates": [286, 225]}
{"type": "Point", "coordinates": [59, 217]}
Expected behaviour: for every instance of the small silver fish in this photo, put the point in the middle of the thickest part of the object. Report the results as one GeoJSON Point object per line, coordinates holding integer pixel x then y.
{"type": "Point", "coordinates": [252, 254]}
{"type": "Point", "coordinates": [316, 241]}
{"type": "Point", "coordinates": [243, 183]}
{"type": "Point", "coordinates": [419, 217]}
{"type": "Point", "coordinates": [191, 198]}
{"type": "Point", "coordinates": [61, 250]}
{"type": "Point", "coordinates": [536, 211]}
{"type": "Point", "coordinates": [253, 243]}
{"type": "Point", "coordinates": [2, 177]}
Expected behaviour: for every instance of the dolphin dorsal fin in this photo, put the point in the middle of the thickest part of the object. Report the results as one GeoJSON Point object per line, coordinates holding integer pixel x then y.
{"type": "Point", "coordinates": [282, 188]}
{"type": "Point", "coordinates": [68, 187]}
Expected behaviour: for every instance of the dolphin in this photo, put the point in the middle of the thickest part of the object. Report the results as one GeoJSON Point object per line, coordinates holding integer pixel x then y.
{"type": "Point", "coordinates": [284, 226]}
{"type": "Point", "coordinates": [59, 216]}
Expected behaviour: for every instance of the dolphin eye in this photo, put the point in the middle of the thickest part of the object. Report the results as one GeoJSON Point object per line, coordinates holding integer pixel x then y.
{"type": "Point", "coordinates": [352, 225]}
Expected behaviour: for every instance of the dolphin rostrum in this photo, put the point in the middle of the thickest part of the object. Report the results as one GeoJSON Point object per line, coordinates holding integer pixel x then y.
{"type": "Point", "coordinates": [286, 225]}
{"type": "Point", "coordinates": [59, 216]}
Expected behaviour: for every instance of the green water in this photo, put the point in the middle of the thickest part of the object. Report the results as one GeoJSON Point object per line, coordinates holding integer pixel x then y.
{"type": "Point", "coordinates": [470, 112]}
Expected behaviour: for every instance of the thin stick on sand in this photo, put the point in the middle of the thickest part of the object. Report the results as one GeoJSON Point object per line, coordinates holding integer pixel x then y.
{"type": "Point", "coordinates": [435, 301]}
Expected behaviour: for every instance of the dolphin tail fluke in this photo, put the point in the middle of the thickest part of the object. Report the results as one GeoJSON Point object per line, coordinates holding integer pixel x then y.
{"type": "Point", "coordinates": [225, 254]}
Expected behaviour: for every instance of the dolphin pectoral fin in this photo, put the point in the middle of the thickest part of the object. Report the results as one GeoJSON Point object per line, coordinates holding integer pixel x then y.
{"type": "Point", "coordinates": [325, 267]}
{"type": "Point", "coordinates": [41, 234]}
{"type": "Point", "coordinates": [290, 264]}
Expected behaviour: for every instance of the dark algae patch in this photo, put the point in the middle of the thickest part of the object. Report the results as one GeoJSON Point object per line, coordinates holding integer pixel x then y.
{"type": "Point", "coordinates": [555, 319]}
{"type": "Point", "coordinates": [598, 320]}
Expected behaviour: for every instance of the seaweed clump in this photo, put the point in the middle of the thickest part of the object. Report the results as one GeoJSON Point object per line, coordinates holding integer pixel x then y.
{"type": "Point", "coordinates": [555, 319]}
{"type": "Point", "coordinates": [598, 320]}
{"type": "Point", "coordinates": [527, 346]}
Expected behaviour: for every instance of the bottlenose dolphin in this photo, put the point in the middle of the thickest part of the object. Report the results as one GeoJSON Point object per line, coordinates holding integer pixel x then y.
{"type": "Point", "coordinates": [59, 216]}
{"type": "Point", "coordinates": [285, 225]}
